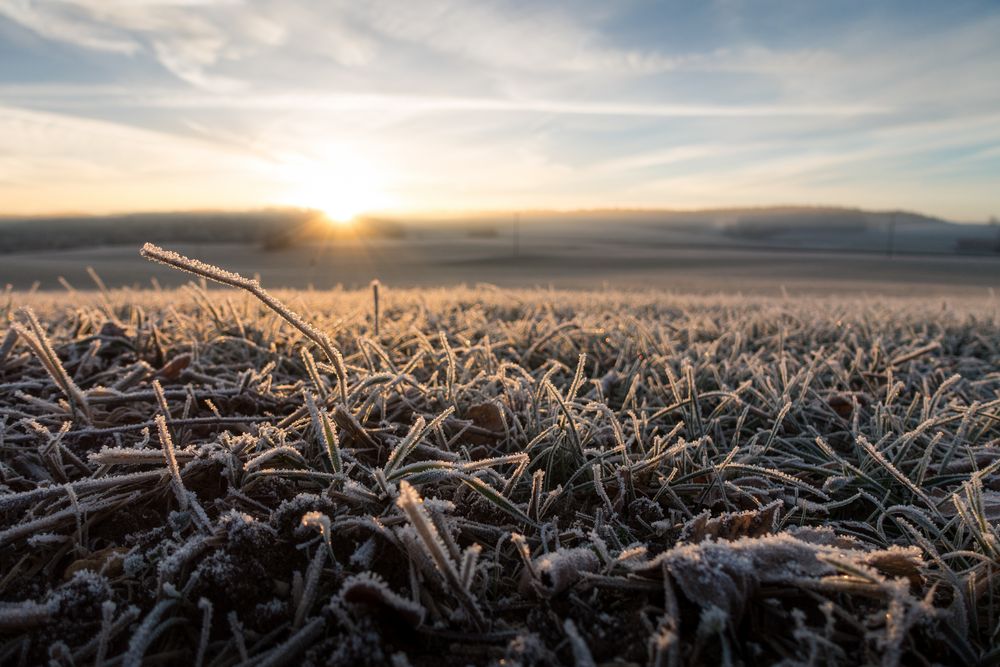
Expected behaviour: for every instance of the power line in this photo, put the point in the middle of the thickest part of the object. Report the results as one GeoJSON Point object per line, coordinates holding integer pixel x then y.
{"type": "Point", "coordinates": [517, 234]}
{"type": "Point", "coordinates": [891, 244]}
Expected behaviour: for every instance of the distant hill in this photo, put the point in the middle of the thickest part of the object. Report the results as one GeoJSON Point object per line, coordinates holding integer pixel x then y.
{"type": "Point", "coordinates": [819, 228]}
{"type": "Point", "coordinates": [816, 228]}
{"type": "Point", "coordinates": [64, 232]}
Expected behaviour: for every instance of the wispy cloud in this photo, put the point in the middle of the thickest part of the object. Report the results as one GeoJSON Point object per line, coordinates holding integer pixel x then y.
{"type": "Point", "coordinates": [348, 102]}
{"type": "Point", "coordinates": [187, 37]}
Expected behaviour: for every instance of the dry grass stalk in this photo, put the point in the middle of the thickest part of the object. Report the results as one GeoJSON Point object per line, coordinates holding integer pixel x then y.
{"type": "Point", "coordinates": [35, 337]}
{"type": "Point", "coordinates": [171, 458]}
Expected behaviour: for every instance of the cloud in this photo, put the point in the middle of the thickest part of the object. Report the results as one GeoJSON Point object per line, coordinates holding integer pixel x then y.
{"type": "Point", "coordinates": [187, 37]}
{"type": "Point", "coordinates": [532, 37]}
{"type": "Point", "coordinates": [70, 24]}
{"type": "Point", "coordinates": [416, 104]}
{"type": "Point", "coordinates": [192, 37]}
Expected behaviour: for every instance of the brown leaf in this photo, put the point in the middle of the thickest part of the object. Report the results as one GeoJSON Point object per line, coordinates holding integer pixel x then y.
{"type": "Point", "coordinates": [732, 525]}
{"type": "Point", "coordinates": [109, 561]}
{"type": "Point", "coordinates": [895, 562]}
{"type": "Point", "coordinates": [112, 330]}
{"type": "Point", "coordinates": [842, 405]}
{"type": "Point", "coordinates": [484, 416]}
{"type": "Point", "coordinates": [172, 369]}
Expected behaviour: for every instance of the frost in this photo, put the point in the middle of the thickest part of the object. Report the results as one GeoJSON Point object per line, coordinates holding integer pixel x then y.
{"type": "Point", "coordinates": [287, 518]}
{"type": "Point", "coordinates": [363, 555]}
{"type": "Point", "coordinates": [556, 572]}
{"type": "Point", "coordinates": [368, 589]}
{"type": "Point", "coordinates": [726, 574]}
{"type": "Point", "coordinates": [245, 531]}
{"type": "Point", "coordinates": [529, 477]}
{"type": "Point", "coordinates": [25, 614]}
{"type": "Point", "coordinates": [134, 564]}
{"type": "Point", "coordinates": [528, 650]}
{"type": "Point", "coordinates": [81, 595]}
{"type": "Point", "coordinates": [44, 539]}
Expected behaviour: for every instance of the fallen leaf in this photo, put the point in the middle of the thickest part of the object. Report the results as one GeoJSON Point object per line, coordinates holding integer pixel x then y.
{"type": "Point", "coordinates": [172, 369]}
{"type": "Point", "coordinates": [485, 416]}
{"type": "Point", "coordinates": [109, 561]}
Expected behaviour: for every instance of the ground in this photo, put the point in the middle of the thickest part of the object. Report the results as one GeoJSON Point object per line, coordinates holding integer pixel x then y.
{"type": "Point", "coordinates": [498, 476]}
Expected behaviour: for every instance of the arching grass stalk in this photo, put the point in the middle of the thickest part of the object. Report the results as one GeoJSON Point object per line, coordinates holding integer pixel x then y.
{"type": "Point", "coordinates": [214, 273]}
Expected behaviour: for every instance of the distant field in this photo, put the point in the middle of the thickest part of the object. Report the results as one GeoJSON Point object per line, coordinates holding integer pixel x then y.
{"type": "Point", "coordinates": [578, 263]}
{"type": "Point", "coordinates": [505, 477]}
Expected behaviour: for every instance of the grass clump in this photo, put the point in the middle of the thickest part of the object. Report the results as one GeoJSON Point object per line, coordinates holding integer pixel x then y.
{"type": "Point", "coordinates": [497, 477]}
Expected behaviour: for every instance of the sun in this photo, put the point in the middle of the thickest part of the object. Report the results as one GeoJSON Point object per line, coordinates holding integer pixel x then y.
{"type": "Point", "coordinates": [341, 185]}
{"type": "Point", "coordinates": [341, 200]}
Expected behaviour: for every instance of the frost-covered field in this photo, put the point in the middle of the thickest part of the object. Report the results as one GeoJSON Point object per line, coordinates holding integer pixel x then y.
{"type": "Point", "coordinates": [497, 477]}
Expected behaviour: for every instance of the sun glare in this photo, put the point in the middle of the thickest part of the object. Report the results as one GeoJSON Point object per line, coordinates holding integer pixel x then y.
{"type": "Point", "coordinates": [342, 186]}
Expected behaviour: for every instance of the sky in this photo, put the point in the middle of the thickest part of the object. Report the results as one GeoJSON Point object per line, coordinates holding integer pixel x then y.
{"type": "Point", "coordinates": [423, 105]}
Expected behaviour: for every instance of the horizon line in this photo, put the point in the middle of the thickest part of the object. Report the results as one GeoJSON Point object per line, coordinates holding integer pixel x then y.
{"type": "Point", "coordinates": [449, 213]}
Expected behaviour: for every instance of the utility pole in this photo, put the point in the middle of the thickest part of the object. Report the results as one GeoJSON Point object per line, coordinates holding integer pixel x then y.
{"type": "Point", "coordinates": [517, 234]}
{"type": "Point", "coordinates": [891, 246]}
